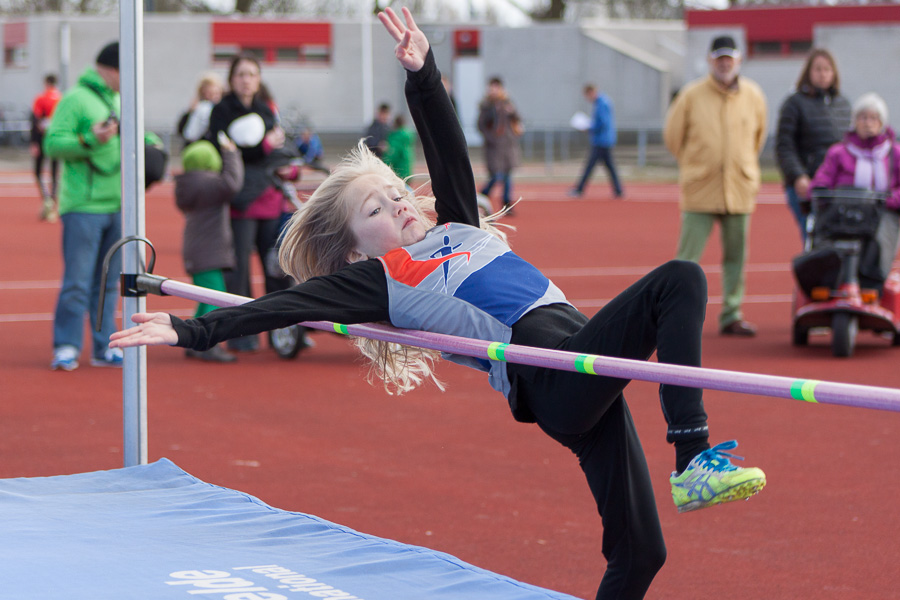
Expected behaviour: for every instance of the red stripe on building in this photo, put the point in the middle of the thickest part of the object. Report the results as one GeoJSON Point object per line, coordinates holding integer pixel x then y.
{"type": "Point", "coordinates": [15, 34]}
{"type": "Point", "coordinates": [791, 23]}
{"type": "Point", "coordinates": [266, 34]}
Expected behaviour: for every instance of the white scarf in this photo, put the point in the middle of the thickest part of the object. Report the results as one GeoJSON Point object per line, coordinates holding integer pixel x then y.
{"type": "Point", "coordinates": [871, 172]}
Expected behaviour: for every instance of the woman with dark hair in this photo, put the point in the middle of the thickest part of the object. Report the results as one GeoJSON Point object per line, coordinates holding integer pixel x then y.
{"type": "Point", "coordinates": [246, 117]}
{"type": "Point", "coordinates": [810, 121]}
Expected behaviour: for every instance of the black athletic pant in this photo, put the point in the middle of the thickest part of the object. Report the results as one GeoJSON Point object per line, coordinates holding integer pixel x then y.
{"type": "Point", "coordinates": [662, 312]}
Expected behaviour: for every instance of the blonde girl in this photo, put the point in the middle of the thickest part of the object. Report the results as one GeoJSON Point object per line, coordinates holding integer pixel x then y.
{"type": "Point", "coordinates": [367, 250]}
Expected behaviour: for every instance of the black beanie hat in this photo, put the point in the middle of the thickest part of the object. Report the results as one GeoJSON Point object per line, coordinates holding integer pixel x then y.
{"type": "Point", "coordinates": [109, 56]}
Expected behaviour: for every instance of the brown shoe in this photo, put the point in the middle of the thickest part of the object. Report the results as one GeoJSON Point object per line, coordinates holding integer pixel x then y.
{"type": "Point", "coordinates": [741, 328]}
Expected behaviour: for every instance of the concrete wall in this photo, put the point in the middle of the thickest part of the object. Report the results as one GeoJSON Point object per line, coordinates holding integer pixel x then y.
{"type": "Point", "coordinates": [544, 66]}
{"type": "Point", "coordinates": [867, 58]}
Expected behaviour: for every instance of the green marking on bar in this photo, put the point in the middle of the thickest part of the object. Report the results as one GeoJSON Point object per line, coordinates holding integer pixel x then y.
{"type": "Point", "coordinates": [584, 363]}
{"type": "Point", "coordinates": [338, 328]}
{"type": "Point", "coordinates": [804, 389]}
{"type": "Point", "coordinates": [808, 391]}
{"type": "Point", "coordinates": [497, 351]}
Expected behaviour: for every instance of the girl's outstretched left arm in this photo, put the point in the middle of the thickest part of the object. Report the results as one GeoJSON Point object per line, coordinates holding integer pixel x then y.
{"type": "Point", "coordinates": [152, 329]}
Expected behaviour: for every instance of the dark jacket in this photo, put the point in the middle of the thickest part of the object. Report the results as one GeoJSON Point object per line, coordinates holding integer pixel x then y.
{"type": "Point", "coordinates": [204, 197]}
{"type": "Point", "coordinates": [230, 109]}
{"type": "Point", "coordinates": [810, 121]}
{"type": "Point", "coordinates": [501, 143]}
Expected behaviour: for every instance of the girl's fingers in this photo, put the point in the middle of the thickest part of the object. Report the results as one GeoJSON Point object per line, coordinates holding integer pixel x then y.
{"type": "Point", "coordinates": [392, 23]}
{"type": "Point", "coordinates": [410, 22]}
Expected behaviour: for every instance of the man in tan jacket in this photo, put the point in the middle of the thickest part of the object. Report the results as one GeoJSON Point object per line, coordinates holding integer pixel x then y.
{"type": "Point", "coordinates": [716, 127]}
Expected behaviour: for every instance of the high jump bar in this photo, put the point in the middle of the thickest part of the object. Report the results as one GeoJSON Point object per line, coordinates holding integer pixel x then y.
{"type": "Point", "coordinates": [807, 390]}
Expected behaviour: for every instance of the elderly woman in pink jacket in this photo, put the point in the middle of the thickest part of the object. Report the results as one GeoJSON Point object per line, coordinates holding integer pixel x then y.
{"type": "Point", "coordinates": [868, 158]}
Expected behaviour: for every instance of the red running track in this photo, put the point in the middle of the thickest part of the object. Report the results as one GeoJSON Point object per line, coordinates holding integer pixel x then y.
{"type": "Point", "coordinates": [453, 471]}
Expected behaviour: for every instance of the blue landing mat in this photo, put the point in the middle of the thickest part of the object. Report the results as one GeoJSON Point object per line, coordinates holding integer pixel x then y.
{"type": "Point", "coordinates": [157, 532]}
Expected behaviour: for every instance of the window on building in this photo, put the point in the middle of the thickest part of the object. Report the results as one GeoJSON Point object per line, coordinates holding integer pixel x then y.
{"type": "Point", "coordinates": [15, 45]}
{"type": "Point", "coordinates": [765, 48]}
{"type": "Point", "coordinates": [225, 53]}
{"type": "Point", "coordinates": [800, 46]}
{"type": "Point", "coordinates": [316, 54]}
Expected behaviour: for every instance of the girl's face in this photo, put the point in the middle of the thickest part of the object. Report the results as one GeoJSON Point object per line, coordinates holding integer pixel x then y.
{"type": "Point", "coordinates": [868, 124]}
{"type": "Point", "coordinates": [212, 92]}
{"type": "Point", "coordinates": [381, 218]}
{"type": "Point", "coordinates": [821, 73]}
{"type": "Point", "coordinates": [245, 80]}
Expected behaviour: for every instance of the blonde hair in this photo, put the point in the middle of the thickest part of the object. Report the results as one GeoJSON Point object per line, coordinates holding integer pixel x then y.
{"type": "Point", "coordinates": [209, 79]}
{"type": "Point", "coordinates": [318, 241]}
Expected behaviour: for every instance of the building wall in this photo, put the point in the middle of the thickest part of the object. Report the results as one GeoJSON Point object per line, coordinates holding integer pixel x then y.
{"type": "Point", "coordinates": [544, 66]}
{"type": "Point", "coordinates": [867, 56]}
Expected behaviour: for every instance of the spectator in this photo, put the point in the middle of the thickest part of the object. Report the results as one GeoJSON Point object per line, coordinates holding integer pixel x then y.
{"type": "Point", "coordinates": [311, 151]}
{"type": "Point", "coordinates": [716, 128]}
{"type": "Point", "coordinates": [809, 122]}
{"type": "Point", "coordinates": [84, 134]}
{"type": "Point", "coordinates": [603, 138]}
{"type": "Point", "coordinates": [376, 134]}
{"type": "Point", "coordinates": [194, 124]}
{"type": "Point", "coordinates": [868, 158]}
{"type": "Point", "coordinates": [248, 119]}
{"type": "Point", "coordinates": [203, 193]}
{"type": "Point", "coordinates": [41, 111]}
{"type": "Point", "coordinates": [499, 123]}
{"type": "Point", "coordinates": [401, 149]}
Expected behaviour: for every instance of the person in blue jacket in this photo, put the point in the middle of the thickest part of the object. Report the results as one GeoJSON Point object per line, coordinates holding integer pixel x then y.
{"type": "Point", "coordinates": [603, 139]}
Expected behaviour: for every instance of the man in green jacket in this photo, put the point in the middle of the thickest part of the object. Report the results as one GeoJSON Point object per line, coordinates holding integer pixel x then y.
{"type": "Point", "coordinates": [84, 135]}
{"type": "Point", "coordinates": [716, 127]}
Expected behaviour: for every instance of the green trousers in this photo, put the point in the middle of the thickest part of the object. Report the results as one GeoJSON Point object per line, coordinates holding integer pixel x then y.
{"type": "Point", "coordinates": [211, 280]}
{"type": "Point", "coordinates": [735, 230]}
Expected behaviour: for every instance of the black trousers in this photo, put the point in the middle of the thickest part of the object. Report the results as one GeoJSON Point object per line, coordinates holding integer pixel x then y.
{"type": "Point", "coordinates": [662, 312]}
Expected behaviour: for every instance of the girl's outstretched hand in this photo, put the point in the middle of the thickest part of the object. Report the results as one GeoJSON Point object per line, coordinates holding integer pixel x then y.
{"type": "Point", "coordinates": [412, 45]}
{"type": "Point", "coordinates": [153, 329]}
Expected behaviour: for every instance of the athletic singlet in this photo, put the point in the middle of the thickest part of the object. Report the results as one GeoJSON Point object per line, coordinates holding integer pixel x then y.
{"type": "Point", "coordinates": [449, 283]}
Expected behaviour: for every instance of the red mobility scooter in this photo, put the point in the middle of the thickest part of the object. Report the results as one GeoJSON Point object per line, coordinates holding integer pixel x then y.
{"type": "Point", "coordinates": [832, 293]}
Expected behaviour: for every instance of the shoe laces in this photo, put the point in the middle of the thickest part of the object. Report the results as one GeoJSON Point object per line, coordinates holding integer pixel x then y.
{"type": "Point", "coordinates": [717, 459]}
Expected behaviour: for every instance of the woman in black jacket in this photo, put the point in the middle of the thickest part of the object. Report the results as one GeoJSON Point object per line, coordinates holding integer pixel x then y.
{"type": "Point", "coordinates": [810, 121]}
{"type": "Point", "coordinates": [245, 117]}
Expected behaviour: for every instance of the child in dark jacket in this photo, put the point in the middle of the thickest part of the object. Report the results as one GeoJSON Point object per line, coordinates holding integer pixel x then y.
{"type": "Point", "coordinates": [203, 193]}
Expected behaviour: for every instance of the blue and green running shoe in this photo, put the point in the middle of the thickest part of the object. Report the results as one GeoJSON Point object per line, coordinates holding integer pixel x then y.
{"type": "Point", "coordinates": [711, 479]}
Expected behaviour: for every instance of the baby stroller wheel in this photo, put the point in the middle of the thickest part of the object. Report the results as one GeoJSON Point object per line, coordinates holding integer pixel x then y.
{"type": "Point", "coordinates": [844, 327]}
{"type": "Point", "coordinates": [801, 336]}
{"type": "Point", "coordinates": [287, 341]}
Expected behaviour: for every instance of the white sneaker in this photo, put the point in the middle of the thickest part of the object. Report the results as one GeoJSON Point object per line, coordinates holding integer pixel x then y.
{"type": "Point", "coordinates": [113, 357]}
{"type": "Point", "coordinates": [65, 358]}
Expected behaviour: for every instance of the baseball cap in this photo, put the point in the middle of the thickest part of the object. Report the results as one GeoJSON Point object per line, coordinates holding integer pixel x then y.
{"type": "Point", "coordinates": [724, 45]}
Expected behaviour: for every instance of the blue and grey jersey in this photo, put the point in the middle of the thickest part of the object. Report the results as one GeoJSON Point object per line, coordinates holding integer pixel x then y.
{"type": "Point", "coordinates": [463, 281]}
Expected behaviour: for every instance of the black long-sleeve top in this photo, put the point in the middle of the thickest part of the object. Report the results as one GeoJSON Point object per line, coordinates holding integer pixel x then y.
{"type": "Point", "coordinates": [809, 122]}
{"type": "Point", "coordinates": [358, 293]}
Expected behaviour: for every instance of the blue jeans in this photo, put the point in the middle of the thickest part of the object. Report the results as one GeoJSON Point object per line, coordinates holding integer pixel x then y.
{"type": "Point", "coordinates": [504, 178]}
{"type": "Point", "coordinates": [86, 239]}
{"type": "Point", "coordinates": [600, 153]}
{"type": "Point", "coordinates": [793, 201]}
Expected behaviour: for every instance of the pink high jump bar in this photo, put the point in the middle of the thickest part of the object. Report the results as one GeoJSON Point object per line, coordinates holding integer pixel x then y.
{"type": "Point", "coordinates": [808, 390]}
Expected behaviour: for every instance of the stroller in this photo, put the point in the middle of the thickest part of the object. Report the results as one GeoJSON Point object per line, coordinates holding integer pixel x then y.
{"type": "Point", "coordinates": [836, 285]}
{"type": "Point", "coordinates": [288, 341]}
